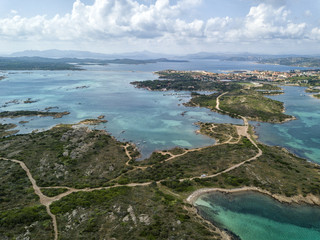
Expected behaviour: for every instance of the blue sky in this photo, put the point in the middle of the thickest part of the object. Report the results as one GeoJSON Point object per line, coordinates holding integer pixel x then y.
{"type": "Point", "coordinates": [170, 26]}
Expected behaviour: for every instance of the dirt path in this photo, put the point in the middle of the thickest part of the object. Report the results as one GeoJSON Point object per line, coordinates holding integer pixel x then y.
{"type": "Point", "coordinates": [230, 168]}
{"type": "Point", "coordinates": [47, 201]}
{"type": "Point", "coordinates": [218, 101]}
{"type": "Point", "coordinates": [44, 200]}
{"type": "Point", "coordinates": [74, 190]}
{"type": "Point", "coordinates": [128, 154]}
{"type": "Point", "coordinates": [242, 131]}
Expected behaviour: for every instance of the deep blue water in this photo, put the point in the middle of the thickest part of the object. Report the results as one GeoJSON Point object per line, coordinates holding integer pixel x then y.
{"type": "Point", "coordinates": [253, 216]}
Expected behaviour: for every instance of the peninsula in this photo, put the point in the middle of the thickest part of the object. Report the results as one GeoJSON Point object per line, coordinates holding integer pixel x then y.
{"type": "Point", "coordinates": [240, 95]}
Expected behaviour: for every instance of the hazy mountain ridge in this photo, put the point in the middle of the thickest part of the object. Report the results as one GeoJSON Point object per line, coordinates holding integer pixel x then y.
{"type": "Point", "coordinates": [143, 57]}
{"type": "Point", "coordinates": [245, 56]}
{"type": "Point", "coordinates": [54, 53]}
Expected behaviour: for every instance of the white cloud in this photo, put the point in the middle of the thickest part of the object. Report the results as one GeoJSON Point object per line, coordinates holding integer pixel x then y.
{"type": "Point", "coordinates": [262, 22]}
{"type": "Point", "coordinates": [162, 22]}
{"type": "Point", "coordinates": [266, 21]}
{"type": "Point", "coordinates": [315, 33]}
{"type": "Point", "coordinates": [103, 19]}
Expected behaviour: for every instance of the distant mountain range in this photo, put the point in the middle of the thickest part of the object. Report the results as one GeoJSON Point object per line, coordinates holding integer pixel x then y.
{"type": "Point", "coordinates": [144, 55]}
{"type": "Point", "coordinates": [62, 59]}
{"type": "Point", "coordinates": [54, 53]}
{"type": "Point", "coordinates": [242, 56]}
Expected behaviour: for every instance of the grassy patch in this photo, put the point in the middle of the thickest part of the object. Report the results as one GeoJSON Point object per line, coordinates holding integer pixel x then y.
{"type": "Point", "coordinates": [52, 192]}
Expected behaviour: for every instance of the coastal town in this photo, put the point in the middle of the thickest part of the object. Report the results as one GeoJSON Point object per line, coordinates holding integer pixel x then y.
{"type": "Point", "coordinates": [299, 76]}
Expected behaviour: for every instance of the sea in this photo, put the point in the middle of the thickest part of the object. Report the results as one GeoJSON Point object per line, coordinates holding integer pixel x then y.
{"type": "Point", "coordinates": [255, 216]}
{"type": "Point", "coordinates": [159, 120]}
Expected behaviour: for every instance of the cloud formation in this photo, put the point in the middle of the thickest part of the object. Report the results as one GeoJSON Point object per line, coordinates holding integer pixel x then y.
{"type": "Point", "coordinates": [129, 19]}
{"type": "Point", "coordinates": [104, 19]}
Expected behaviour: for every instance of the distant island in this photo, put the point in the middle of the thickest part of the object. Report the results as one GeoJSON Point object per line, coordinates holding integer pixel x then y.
{"type": "Point", "coordinates": [39, 63]}
{"type": "Point", "coordinates": [286, 60]}
{"type": "Point", "coordinates": [312, 62]}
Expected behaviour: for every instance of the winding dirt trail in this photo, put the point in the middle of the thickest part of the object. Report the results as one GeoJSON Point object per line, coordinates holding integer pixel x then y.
{"type": "Point", "coordinates": [44, 200]}
{"type": "Point", "coordinates": [47, 201]}
{"type": "Point", "coordinates": [127, 153]}
{"type": "Point", "coordinates": [218, 101]}
{"type": "Point", "coordinates": [242, 131]}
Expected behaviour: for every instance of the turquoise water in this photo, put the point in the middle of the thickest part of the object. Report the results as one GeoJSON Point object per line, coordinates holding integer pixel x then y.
{"type": "Point", "coordinates": [151, 120]}
{"type": "Point", "coordinates": [301, 136]}
{"type": "Point", "coordinates": [253, 216]}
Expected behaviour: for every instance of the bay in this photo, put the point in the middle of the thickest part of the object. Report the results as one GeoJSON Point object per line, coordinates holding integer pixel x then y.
{"type": "Point", "coordinates": [301, 136]}
{"type": "Point", "coordinates": [252, 215]}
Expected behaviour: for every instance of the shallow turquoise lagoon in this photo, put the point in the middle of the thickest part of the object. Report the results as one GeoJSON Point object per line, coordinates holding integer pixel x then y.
{"type": "Point", "coordinates": [301, 136]}
{"type": "Point", "coordinates": [252, 216]}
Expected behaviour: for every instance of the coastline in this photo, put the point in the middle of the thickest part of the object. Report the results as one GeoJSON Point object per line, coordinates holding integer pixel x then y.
{"type": "Point", "coordinates": [314, 96]}
{"type": "Point", "coordinates": [225, 234]}
{"type": "Point", "coordinates": [298, 199]}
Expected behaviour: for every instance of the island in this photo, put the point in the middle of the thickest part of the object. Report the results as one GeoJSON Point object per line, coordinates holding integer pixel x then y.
{"type": "Point", "coordinates": [40, 63]}
{"type": "Point", "coordinates": [313, 62]}
{"type": "Point", "coordinates": [25, 113]}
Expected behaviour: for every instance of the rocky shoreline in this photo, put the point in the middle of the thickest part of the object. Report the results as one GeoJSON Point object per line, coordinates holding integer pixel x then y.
{"type": "Point", "coordinates": [298, 199]}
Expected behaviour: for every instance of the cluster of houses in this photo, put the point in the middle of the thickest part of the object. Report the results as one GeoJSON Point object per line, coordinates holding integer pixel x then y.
{"type": "Point", "coordinates": [245, 75]}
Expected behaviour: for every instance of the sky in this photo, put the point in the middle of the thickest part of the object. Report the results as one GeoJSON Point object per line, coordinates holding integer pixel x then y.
{"type": "Point", "coordinates": [166, 26]}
